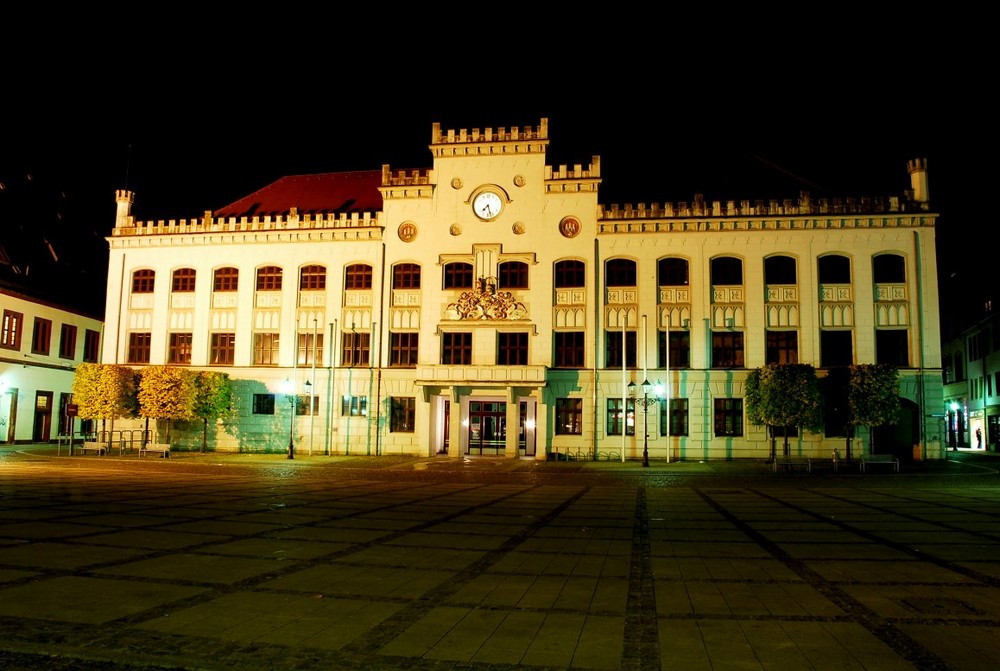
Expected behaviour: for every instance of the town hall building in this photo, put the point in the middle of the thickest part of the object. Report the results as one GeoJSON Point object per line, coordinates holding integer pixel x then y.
{"type": "Point", "coordinates": [491, 305]}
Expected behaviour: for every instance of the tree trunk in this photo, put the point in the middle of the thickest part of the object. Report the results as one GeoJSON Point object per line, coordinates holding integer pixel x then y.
{"type": "Point", "coordinates": [786, 440]}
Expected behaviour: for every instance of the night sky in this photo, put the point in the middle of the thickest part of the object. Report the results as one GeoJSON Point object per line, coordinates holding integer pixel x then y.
{"type": "Point", "coordinates": [746, 129]}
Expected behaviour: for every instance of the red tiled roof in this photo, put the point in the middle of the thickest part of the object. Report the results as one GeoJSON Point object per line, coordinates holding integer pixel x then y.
{"type": "Point", "coordinates": [331, 192]}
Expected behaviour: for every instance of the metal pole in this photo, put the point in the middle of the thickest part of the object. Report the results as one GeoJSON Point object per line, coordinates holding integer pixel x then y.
{"type": "Point", "coordinates": [291, 426]}
{"type": "Point", "coordinates": [645, 424]}
{"type": "Point", "coordinates": [312, 390]}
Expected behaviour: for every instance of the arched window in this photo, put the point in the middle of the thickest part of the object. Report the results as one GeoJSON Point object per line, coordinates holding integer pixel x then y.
{"type": "Point", "coordinates": [312, 278]}
{"type": "Point", "coordinates": [406, 276]}
{"type": "Point", "coordinates": [780, 270]}
{"type": "Point", "coordinates": [143, 281]}
{"type": "Point", "coordinates": [620, 273]}
{"type": "Point", "coordinates": [834, 269]}
{"type": "Point", "coordinates": [183, 280]}
{"type": "Point", "coordinates": [358, 276]}
{"type": "Point", "coordinates": [672, 272]}
{"type": "Point", "coordinates": [269, 278]}
{"type": "Point", "coordinates": [727, 270]}
{"type": "Point", "coordinates": [889, 269]}
{"type": "Point", "coordinates": [226, 279]}
{"type": "Point", "coordinates": [570, 274]}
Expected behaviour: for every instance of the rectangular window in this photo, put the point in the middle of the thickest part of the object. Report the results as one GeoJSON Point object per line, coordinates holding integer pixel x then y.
{"type": "Point", "coordinates": [41, 336]}
{"type": "Point", "coordinates": [835, 349]}
{"type": "Point", "coordinates": [355, 351]}
{"type": "Point", "coordinates": [456, 349]}
{"type": "Point", "coordinates": [179, 348]}
{"type": "Point", "coordinates": [303, 405]}
{"type": "Point", "coordinates": [782, 347]}
{"type": "Point", "coordinates": [613, 349]}
{"type": "Point", "coordinates": [263, 404]}
{"type": "Point", "coordinates": [67, 342]}
{"type": "Point", "coordinates": [265, 349]}
{"type": "Point", "coordinates": [403, 411]}
{"type": "Point", "coordinates": [10, 330]}
{"type": "Point", "coordinates": [91, 345]}
{"type": "Point", "coordinates": [569, 416]}
{"type": "Point", "coordinates": [138, 347]}
{"type": "Point", "coordinates": [183, 280]}
{"type": "Point", "coordinates": [227, 279]}
{"type": "Point", "coordinates": [680, 349]}
{"type": "Point", "coordinates": [512, 349]}
{"type": "Point", "coordinates": [354, 406]}
{"type": "Point", "coordinates": [269, 278]}
{"type": "Point", "coordinates": [308, 351]}
{"type": "Point", "coordinates": [615, 417]}
{"type": "Point", "coordinates": [513, 275]}
{"type": "Point", "coordinates": [678, 417]}
{"type": "Point", "coordinates": [222, 349]}
{"type": "Point", "coordinates": [727, 349]}
{"type": "Point", "coordinates": [728, 417]}
{"type": "Point", "coordinates": [403, 349]}
{"type": "Point", "coordinates": [458, 276]}
{"type": "Point", "coordinates": [892, 347]}
{"type": "Point", "coordinates": [569, 349]}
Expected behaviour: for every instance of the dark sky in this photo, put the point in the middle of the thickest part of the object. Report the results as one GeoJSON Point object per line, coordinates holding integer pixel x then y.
{"type": "Point", "coordinates": [748, 125]}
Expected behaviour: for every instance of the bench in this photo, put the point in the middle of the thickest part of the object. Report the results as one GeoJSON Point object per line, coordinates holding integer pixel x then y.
{"type": "Point", "coordinates": [789, 463]}
{"type": "Point", "coordinates": [879, 459]}
{"type": "Point", "coordinates": [93, 446]}
{"type": "Point", "coordinates": [163, 449]}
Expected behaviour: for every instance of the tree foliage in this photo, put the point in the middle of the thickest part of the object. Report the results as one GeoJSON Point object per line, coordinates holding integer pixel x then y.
{"type": "Point", "coordinates": [168, 393]}
{"type": "Point", "coordinates": [874, 395]}
{"type": "Point", "coordinates": [104, 391]}
{"type": "Point", "coordinates": [784, 395]}
{"type": "Point", "coordinates": [213, 399]}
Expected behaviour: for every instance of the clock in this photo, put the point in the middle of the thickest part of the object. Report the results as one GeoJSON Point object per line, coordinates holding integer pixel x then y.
{"type": "Point", "coordinates": [487, 205]}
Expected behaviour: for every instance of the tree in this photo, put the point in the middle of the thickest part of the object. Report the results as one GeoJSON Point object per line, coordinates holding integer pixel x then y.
{"type": "Point", "coordinates": [784, 395]}
{"type": "Point", "coordinates": [104, 391]}
{"type": "Point", "coordinates": [167, 392]}
{"type": "Point", "coordinates": [874, 397]}
{"type": "Point", "coordinates": [213, 399]}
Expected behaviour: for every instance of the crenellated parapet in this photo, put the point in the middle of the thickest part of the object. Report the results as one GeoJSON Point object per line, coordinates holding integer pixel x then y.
{"type": "Point", "coordinates": [577, 179]}
{"type": "Point", "coordinates": [208, 224]}
{"type": "Point", "coordinates": [407, 183]}
{"type": "Point", "coordinates": [805, 205]}
{"type": "Point", "coordinates": [489, 141]}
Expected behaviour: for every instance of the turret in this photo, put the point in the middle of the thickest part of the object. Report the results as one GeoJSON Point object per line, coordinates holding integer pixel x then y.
{"type": "Point", "coordinates": [124, 199]}
{"type": "Point", "coordinates": [918, 179]}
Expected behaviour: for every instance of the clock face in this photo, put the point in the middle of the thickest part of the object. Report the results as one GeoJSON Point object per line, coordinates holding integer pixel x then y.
{"type": "Point", "coordinates": [487, 205]}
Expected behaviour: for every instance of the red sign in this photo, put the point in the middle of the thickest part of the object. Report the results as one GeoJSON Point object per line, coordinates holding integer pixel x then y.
{"type": "Point", "coordinates": [71, 410]}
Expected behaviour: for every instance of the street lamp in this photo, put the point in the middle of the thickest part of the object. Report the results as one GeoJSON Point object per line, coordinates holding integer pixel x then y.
{"type": "Point", "coordinates": [645, 400]}
{"type": "Point", "coordinates": [289, 389]}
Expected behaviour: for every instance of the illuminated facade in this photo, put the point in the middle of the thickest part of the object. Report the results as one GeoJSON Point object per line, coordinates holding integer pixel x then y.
{"type": "Point", "coordinates": [41, 344]}
{"type": "Point", "coordinates": [491, 305]}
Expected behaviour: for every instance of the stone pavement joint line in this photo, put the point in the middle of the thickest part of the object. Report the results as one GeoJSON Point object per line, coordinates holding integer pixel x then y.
{"type": "Point", "coordinates": [642, 642]}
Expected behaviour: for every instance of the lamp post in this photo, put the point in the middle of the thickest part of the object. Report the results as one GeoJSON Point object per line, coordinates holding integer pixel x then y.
{"type": "Point", "coordinates": [645, 400]}
{"type": "Point", "coordinates": [309, 399]}
{"type": "Point", "coordinates": [290, 393]}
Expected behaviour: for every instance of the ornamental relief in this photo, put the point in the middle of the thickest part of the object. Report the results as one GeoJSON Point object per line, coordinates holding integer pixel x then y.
{"type": "Point", "coordinates": [485, 302]}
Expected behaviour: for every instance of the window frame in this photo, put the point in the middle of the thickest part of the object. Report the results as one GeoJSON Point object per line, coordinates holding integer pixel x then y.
{"type": "Point", "coordinates": [569, 416]}
{"type": "Point", "coordinates": [269, 278]}
{"type": "Point", "coordinates": [183, 280]}
{"type": "Point", "coordinates": [226, 279]}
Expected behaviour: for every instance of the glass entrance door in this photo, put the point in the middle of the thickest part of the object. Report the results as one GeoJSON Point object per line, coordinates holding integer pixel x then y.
{"type": "Point", "coordinates": [487, 428]}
